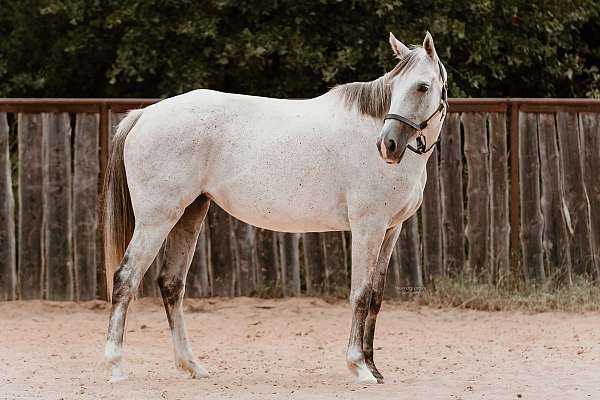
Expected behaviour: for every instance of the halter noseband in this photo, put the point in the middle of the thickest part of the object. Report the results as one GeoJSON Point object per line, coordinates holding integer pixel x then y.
{"type": "Point", "coordinates": [421, 140]}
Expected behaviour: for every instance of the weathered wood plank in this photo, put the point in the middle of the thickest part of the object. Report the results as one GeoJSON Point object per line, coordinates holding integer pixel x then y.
{"type": "Point", "coordinates": [30, 182]}
{"type": "Point", "coordinates": [8, 260]}
{"type": "Point", "coordinates": [198, 279]}
{"type": "Point", "coordinates": [221, 252]}
{"type": "Point", "coordinates": [576, 200]}
{"type": "Point", "coordinates": [555, 234]}
{"type": "Point", "coordinates": [58, 237]}
{"type": "Point", "coordinates": [86, 171]}
{"type": "Point", "coordinates": [529, 184]}
{"type": "Point", "coordinates": [314, 267]}
{"type": "Point", "coordinates": [500, 225]}
{"type": "Point", "coordinates": [244, 256]}
{"type": "Point", "coordinates": [478, 195]}
{"type": "Point", "coordinates": [337, 275]}
{"type": "Point", "coordinates": [431, 210]}
{"type": "Point", "coordinates": [289, 249]}
{"type": "Point", "coordinates": [451, 186]}
{"type": "Point", "coordinates": [590, 140]}
{"type": "Point", "coordinates": [409, 252]}
{"type": "Point", "coordinates": [267, 255]}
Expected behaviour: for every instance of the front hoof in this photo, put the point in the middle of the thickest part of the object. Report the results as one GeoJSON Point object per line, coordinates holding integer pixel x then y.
{"type": "Point", "coordinates": [195, 370]}
{"type": "Point", "coordinates": [117, 374]}
{"type": "Point", "coordinates": [365, 377]}
{"type": "Point", "coordinates": [362, 372]}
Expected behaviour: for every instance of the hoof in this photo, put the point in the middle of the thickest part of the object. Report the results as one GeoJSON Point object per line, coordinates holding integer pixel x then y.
{"type": "Point", "coordinates": [365, 377]}
{"type": "Point", "coordinates": [195, 370]}
{"type": "Point", "coordinates": [362, 372]}
{"type": "Point", "coordinates": [117, 374]}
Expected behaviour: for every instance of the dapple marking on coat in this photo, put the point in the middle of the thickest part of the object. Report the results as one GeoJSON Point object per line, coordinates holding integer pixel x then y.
{"type": "Point", "coordinates": [314, 165]}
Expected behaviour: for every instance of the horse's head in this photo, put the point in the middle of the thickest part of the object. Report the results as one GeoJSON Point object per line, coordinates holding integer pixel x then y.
{"type": "Point", "coordinates": [418, 100]}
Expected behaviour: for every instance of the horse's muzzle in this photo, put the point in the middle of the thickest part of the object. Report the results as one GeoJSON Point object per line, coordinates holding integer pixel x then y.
{"type": "Point", "coordinates": [392, 143]}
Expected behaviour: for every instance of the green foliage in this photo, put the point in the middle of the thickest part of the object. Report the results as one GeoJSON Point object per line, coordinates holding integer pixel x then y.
{"type": "Point", "coordinates": [290, 48]}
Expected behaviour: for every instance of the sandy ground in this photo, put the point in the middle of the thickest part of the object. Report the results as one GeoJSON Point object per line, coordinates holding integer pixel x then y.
{"type": "Point", "coordinates": [294, 349]}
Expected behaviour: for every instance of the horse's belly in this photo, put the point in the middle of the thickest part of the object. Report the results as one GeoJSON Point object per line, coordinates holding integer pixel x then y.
{"type": "Point", "coordinates": [283, 211]}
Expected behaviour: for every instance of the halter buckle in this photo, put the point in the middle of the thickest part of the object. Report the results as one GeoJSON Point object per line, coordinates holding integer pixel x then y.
{"type": "Point", "coordinates": [421, 143]}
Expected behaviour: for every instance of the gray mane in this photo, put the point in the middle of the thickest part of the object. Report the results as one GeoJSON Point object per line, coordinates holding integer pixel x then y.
{"type": "Point", "coordinates": [373, 98]}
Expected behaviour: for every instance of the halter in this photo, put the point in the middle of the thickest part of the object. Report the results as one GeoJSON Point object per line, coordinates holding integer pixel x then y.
{"type": "Point", "coordinates": [421, 140]}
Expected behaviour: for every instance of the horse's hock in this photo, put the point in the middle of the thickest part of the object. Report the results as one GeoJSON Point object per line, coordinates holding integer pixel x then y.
{"type": "Point", "coordinates": [529, 207]}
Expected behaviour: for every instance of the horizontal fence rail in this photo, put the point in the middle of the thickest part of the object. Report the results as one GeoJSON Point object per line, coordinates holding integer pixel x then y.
{"type": "Point", "coordinates": [513, 194]}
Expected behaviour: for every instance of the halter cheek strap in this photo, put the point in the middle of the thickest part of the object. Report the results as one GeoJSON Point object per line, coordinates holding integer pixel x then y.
{"type": "Point", "coordinates": [421, 140]}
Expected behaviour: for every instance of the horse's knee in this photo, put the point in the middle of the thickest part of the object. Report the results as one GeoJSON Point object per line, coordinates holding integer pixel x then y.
{"type": "Point", "coordinates": [360, 299]}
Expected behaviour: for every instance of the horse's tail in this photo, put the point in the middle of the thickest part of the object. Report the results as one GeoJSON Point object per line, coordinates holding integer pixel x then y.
{"type": "Point", "coordinates": [119, 220]}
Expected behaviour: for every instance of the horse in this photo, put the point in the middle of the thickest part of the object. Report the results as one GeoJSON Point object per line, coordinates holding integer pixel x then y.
{"type": "Point", "coordinates": [336, 162]}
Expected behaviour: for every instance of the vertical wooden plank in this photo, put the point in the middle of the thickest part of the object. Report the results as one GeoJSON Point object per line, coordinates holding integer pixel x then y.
{"type": "Point", "coordinates": [30, 182]}
{"type": "Point", "coordinates": [555, 234]}
{"type": "Point", "coordinates": [451, 187]}
{"type": "Point", "coordinates": [58, 239]}
{"type": "Point", "coordinates": [103, 139]}
{"type": "Point", "coordinates": [198, 283]}
{"type": "Point", "coordinates": [590, 140]}
{"type": "Point", "coordinates": [223, 266]}
{"type": "Point", "coordinates": [500, 226]}
{"type": "Point", "coordinates": [431, 210]}
{"type": "Point", "coordinates": [8, 260]}
{"type": "Point", "coordinates": [576, 201]}
{"type": "Point", "coordinates": [529, 182]}
{"type": "Point", "coordinates": [289, 245]}
{"type": "Point", "coordinates": [409, 252]}
{"type": "Point", "coordinates": [86, 171]}
{"type": "Point", "coordinates": [337, 277]}
{"type": "Point", "coordinates": [515, 202]}
{"type": "Point", "coordinates": [314, 268]}
{"type": "Point", "coordinates": [244, 248]}
{"type": "Point", "coordinates": [478, 195]}
{"type": "Point", "coordinates": [267, 262]}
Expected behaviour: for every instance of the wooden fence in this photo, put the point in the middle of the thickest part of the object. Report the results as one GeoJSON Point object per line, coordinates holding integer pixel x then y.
{"type": "Point", "coordinates": [513, 193]}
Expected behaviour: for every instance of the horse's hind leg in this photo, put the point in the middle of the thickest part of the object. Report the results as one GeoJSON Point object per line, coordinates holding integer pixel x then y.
{"type": "Point", "coordinates": [377, 296]}
{"type": "Point", "coordinates": [148, 236]}
{"type": "Point", "coordinates": [179, 250]}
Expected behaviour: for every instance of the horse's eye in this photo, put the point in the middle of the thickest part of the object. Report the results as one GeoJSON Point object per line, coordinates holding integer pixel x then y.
{"type": "Point", "coordinates": [423, 87]}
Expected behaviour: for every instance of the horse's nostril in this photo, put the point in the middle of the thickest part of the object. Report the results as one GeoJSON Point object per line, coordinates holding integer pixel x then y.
{"type": "Point", "coordinates": [392, 145]}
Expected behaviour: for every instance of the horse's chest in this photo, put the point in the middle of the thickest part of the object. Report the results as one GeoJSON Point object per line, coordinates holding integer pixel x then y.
{"type": "Point", "coordinates": [407, 202]}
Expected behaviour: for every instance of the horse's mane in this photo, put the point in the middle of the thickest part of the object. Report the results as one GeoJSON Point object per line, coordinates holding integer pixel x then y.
{"type": "Point", "coordinates": [373, 98]}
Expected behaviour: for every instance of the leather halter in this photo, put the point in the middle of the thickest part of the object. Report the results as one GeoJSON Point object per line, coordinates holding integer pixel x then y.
{"type": "Point", "coordinates": [421, 140]}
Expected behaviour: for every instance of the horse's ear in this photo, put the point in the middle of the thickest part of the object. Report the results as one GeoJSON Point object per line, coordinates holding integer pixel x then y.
{"type": "Point", "coordinates": [429, 47]}
{"type": "Point", "coordinates": [399, 49]}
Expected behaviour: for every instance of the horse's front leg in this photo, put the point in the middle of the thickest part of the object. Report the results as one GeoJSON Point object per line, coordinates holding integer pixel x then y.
{"type": "Point", "coordinates": [367, 238]}
{"type": "Point", "coordinates": [391, 236]}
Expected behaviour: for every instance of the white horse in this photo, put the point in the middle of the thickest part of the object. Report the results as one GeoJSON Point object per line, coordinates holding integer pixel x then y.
{"type": "Point", "coordinates": [287, 165]}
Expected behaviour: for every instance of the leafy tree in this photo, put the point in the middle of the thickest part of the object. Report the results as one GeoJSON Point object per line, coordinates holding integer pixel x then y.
{"type": "Point", "coordinates": [290, 48]}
